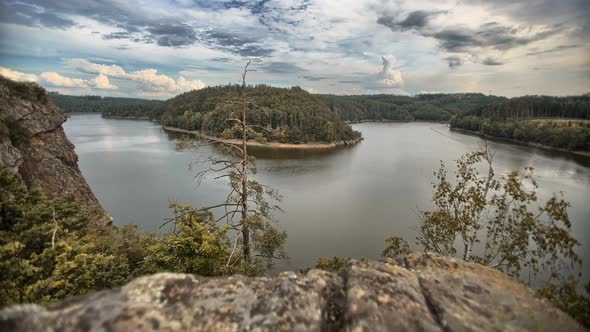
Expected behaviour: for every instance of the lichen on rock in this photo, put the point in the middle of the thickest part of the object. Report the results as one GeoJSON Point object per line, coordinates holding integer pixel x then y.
{"type": "Point", "coordinates": [424, 293]}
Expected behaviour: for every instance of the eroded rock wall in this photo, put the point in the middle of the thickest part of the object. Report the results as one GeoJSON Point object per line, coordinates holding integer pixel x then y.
{"type": "Point", "coordinates": [424, 293]}
{"type": "Point", "coordinates": [35, 147]}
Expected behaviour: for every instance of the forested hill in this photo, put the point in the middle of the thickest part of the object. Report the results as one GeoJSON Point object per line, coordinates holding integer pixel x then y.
{"type": "Point", "coordinates": [109, 106]}
{"type": "Point", "coordinates": [278, 114]}
{"type": "Point", "coordinates": [423, 107]}
{"type": "Point", "coordinates": [560, 122]}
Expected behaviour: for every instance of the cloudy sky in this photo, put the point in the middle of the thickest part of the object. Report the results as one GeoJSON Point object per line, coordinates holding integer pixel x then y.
{"type": "Point", "coordinates": [157, 49]}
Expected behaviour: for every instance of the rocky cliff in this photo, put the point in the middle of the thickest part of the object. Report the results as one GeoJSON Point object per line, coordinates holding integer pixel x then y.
{"type": "Point", "coordinates": [33, 144]}
{"type": "Point", "coordinates": [423, 293]}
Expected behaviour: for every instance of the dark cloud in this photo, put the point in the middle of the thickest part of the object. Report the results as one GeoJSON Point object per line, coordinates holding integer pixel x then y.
{"type": "Point", "coordinates": [222, 60]}
{"type": "Point", "coordinates": [315, 78]}
{"type": "Point", "coordinates": [173, 35]}
{"type": "Point", "coordinates": [454, 61]}
{"type": "Point", "coordinates": [415, 20]}
{"type": "Point", "coordinates": [350, 81]}
{"type": "Point", "coordinates": [489, 35]}
{"type": "Point", "coordinates": [555, 49]}
{"type": "Point", "coordinates": [117, 35]}
{"type": "Point", "coordinates": [492, 62]}
{"type": "Point", "coordinates": [280, 68]}
{"type": "Point", "coordinates": [29, 15]}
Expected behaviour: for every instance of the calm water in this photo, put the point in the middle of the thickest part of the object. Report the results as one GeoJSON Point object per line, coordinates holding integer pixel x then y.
{"type": "Point", "coordinates": [343, 202]}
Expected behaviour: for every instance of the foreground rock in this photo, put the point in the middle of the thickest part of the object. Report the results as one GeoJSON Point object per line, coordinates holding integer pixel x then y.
{"type": "Point", "coordinates": [427, 293]}
{"type": "Point", "coordinates": [35, 147]}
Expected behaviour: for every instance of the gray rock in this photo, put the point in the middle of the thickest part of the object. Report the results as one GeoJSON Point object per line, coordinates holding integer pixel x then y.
{"type": "Point", "coordinates": [428, 293]}
{"type": "Point", "coordinates": [42, 156]}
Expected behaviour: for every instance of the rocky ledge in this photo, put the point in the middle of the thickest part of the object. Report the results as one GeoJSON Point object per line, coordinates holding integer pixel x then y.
{"type": "Point", "coordinates": [423, 293]}
{"type": "Point", "coordinates": [35, 147]}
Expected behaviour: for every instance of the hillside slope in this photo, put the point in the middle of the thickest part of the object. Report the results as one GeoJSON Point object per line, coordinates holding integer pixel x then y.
{"type": "Point", "coordinates": [280, 115]}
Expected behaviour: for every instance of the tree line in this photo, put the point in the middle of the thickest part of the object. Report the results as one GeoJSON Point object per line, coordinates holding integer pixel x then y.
{"type": "Point", "coordinates": [276, 114]}
{"type": "Point", "coordinates": [108, 106]}
{"type": "Point", "coordinates": [560, 122]}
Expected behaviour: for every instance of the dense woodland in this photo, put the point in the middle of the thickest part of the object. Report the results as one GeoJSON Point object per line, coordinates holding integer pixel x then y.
{"type": "Point", "coordinates": [423, 107]}
{"type": "Point", "coordinates": [109, 106]}
{"type": "Point", "coordinates": [279, 115]}
{"type": "Point", "coordinates": [560, 122]}
{"type": "Point", "coordinates": [295, 116]}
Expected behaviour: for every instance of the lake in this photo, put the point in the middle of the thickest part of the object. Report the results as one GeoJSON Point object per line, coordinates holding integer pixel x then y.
{"type": "Point", "coordinates": [341, 202]}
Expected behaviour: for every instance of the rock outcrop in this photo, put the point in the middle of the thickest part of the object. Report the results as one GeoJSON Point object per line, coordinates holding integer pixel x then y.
{"type": "Point", "coordinates": [34, 147]}
{"type": "Point", "coordinates": [424, 293]}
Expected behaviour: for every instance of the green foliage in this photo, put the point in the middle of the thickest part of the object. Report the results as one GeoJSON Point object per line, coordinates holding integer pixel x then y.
{"type": "Point", "coordinates": [196, 246]}
{"type": "Point", "coordinates": [424, 107]}
{"type": "Point", "coordinates": [333, 264]}
{"type": "Point", "coordinates": [497, 221]}
{"type": "Point", "coordinates": [560, 122]}
{"type": "Point", "coordinates": [396, 248]}
{"type": "Point", "coordinates": [566, 297]}
{"type": "Point", "coordinates": [26, 90]}
{"type": "Point", "coordinates": [109, 106]}
{"type": "Point", "coordinates": [276, 114]}
{"type": "Point", "coordinates": [50, 249]}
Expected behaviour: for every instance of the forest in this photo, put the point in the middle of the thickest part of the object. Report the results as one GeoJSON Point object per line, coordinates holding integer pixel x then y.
{"type": "Point", "coordinates": [558, 122]}
{"type": "Point", "coordinates": [422, 107]}
{"type": "Point", "coordinates": [295, 116]}
{"type": "Point", "coordinates": [276, 114]}
{"type": "Point", "coordinates": [108, 106]}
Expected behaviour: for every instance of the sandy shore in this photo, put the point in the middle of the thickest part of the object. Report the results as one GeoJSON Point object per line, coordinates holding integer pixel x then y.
{"type": "Point", "coordinates": [272, 145]}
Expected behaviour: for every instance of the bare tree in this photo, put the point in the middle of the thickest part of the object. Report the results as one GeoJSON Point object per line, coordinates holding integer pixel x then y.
{"type": "Point", "coordinates": [246, 208]}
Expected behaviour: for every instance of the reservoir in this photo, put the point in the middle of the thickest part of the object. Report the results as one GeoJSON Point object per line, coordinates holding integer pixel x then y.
{"type": "Point", "coordinates": [340, 202]}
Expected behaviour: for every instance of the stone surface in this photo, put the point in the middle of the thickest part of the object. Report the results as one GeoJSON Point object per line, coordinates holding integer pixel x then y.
{"type": "Point", "coordinates": [423, 293]}
{"type": "Point", "coordinates": [42, 156]}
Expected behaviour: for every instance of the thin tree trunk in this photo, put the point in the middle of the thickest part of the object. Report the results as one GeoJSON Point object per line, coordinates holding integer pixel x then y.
{"type": "Point", "coordinates": [245, 226]}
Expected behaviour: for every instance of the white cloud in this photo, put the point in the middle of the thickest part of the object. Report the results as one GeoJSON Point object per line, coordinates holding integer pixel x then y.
{"type": "Point", "coordinates": [55, 79]}
{"type": "Point", "coordinates": [17, 75]}
{"type": "Point", "coordinates": [388, 79]}
{"type": "Point", "coordinates": [153, 84]}
{"type": "Point", "coordinates": [102, 82]}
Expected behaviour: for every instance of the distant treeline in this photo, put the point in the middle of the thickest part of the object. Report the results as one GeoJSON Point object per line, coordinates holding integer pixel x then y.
{"type": "Point", "coordinates": [109, 106]}
{"type": "Point", "coordinates": [560, 122]}
{"type": "Point", "coordinates": [424, 107]}
{"type": "Point", "coordinates": [278, 114]}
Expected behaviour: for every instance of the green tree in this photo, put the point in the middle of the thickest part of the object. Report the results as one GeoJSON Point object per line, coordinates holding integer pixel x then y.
{"type": "Point", "coordinates": [246, 209]}
{"type": "Point", "coordinates": [498, 221]}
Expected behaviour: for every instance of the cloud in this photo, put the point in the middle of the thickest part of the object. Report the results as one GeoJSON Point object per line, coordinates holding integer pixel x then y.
{"type": "Point", "coordinates": [102, 82]}
{"type": "Point", "coordinates": [55, 79]}
{"type": "Point", "coordinates": [17, 75]}
{"type": "Point", "coordinates": [280, 68]}
{"type": "Point", "coordinates": [388, 78]}
{"type": "Point", "coordinates": [153, 83]}
{"type": "Point", "coordinates": [454, 61]}
{"type": "Point", "coordinates": [415, 20]}
{"type": "Point", "coordinates": [492, 62]}
{"type": "Point", "coordinates": [558, 48]}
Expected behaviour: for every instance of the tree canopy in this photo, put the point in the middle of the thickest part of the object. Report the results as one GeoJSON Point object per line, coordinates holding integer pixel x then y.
{"type": "Point", "coordinates": [277, 114]}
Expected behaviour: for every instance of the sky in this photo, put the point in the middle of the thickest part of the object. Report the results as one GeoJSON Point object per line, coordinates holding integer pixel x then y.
{"type": "Point", "coordinates": [158, 49]}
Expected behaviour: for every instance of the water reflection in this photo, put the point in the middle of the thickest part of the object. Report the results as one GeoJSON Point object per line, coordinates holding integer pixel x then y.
{"type": "Point", "coordinates": [342, 202]}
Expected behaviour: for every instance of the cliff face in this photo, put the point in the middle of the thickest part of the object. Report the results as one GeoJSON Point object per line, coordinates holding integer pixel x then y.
{"type": "Point", "coordinates": [33, 144]}
{"type": "Point", "coordinates": [424, 293]}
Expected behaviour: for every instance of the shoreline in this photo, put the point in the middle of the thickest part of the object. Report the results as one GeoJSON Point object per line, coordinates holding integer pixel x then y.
{"type": "Point", "coordinates": [393, 121]}
{"type": "Point", "coordinates": [118, 117]}
{"type": "Point", "coordinates": [270, 145]}
{"type": "Point", "coordinates": [512, 141]}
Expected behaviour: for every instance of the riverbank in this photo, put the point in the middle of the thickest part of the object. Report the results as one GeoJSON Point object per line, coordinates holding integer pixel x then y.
{"type": "Point", "coordinates": [394, 121]}
{"type": "Point", "coordinates": [117, 117]}
{"type": "Point", "coordinates": [512, 141]}
{"type": "Point", "coordinates": [271, 145]}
